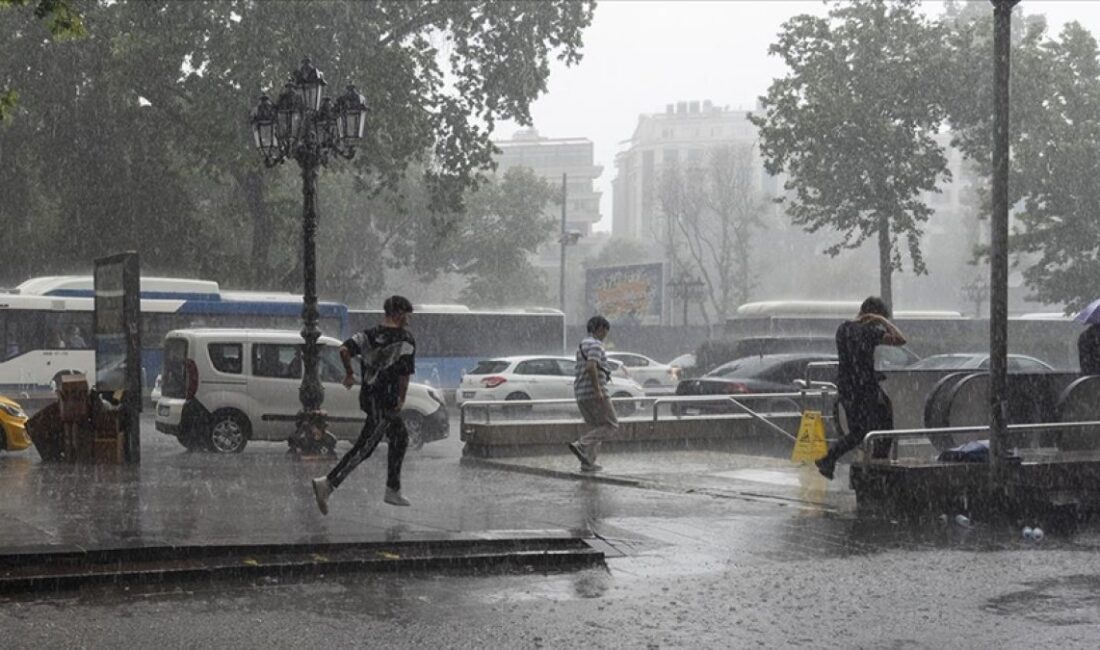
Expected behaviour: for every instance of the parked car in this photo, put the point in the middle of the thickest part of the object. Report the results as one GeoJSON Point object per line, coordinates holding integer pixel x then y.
{"type": "Point", "coordinates": [768, 373]}
{"type": "Point", "coordinates": [223, 387]}
{"type": "Point", "coordinates": [532, 377]}
{"type": "Point", "coordinates": [979, 361]}
{"type": "Point", "coordinates": [714, 353]}
{"type": "Point", "coordinates": [13, 420]}
{"type": "Point", "coordinates": [683, 361]}
{"type": "Point", "coordinates": [646, 371]}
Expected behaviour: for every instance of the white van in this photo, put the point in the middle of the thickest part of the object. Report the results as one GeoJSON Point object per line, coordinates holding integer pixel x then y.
{"type": "Point", "coordinates": [221, 388]}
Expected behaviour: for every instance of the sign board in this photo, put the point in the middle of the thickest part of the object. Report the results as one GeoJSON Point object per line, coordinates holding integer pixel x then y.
{"type": "Point", "coordinates": [626, 295]}
{"type": "Point", "coordinates": [117, 313]}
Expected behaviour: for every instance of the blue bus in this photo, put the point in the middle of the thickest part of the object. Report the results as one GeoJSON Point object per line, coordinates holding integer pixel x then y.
{"type": "Point", "coordinates": [451, 339]}
{"type": "Point", "coordinates": [46, 324]}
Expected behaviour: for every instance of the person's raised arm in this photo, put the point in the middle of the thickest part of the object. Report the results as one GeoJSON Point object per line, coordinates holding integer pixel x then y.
{"type": "Point", "coordinates": [893, 335]}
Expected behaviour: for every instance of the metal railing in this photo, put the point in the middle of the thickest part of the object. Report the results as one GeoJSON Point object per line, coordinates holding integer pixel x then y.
{"type": "Point", "coordinates": [899, 434]}
{"type": "Point", "coordinates": [737, 401]}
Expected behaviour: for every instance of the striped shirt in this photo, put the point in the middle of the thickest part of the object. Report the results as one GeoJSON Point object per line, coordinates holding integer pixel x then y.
{"type": "Point", "coordinates": [590, 349]}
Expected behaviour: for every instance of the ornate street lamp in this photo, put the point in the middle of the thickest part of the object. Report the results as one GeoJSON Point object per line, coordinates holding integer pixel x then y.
{"type": "Point", "coordinates": [688, 289]}
{"type": "Point", "coordinates": [305, 125]}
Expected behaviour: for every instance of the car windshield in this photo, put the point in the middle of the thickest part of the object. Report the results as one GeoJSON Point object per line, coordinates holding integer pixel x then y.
{"type": "Point", "coordinates": [489, 367]}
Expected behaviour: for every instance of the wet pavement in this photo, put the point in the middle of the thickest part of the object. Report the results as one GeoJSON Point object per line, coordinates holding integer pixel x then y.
{"type": "Point", "coordinates": [717, 551]}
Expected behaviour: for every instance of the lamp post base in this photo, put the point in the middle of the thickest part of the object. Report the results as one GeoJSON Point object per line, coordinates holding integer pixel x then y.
{"type": "Point", "coordinates": [311, 436]}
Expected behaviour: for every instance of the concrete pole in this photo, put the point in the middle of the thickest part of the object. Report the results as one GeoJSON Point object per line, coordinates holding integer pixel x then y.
{"type": "Point", "coordinates": [998, 258]}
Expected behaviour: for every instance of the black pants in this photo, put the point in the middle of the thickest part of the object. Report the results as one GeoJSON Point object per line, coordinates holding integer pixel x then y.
{"type": "Point", "coordinates": [865, 413]}
{"type": "Point", "coordinates": [380, 421]}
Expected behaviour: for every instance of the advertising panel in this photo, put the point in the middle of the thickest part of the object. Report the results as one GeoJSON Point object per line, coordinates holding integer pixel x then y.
{"type": "Point", "coordinates": [626, 295]}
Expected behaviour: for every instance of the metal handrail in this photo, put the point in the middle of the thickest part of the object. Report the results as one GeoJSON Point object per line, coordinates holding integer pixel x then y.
{"type": "Point", "coordinates": [657, 401]}
{"type": "Point", "coordinates": [734, 400]}
{"type": "Point", "coordinates": [530, 402]}
{"type": "Point", "coordinates": [946, 431]}
{"type": "Point", "coordinates": [819, 364]}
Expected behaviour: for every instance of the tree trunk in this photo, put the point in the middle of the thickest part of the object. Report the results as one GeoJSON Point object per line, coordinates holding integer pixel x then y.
{"type": "Point", "coordinates": [252, 185]}
{"type": "Point", "coordinates": [885, 267]}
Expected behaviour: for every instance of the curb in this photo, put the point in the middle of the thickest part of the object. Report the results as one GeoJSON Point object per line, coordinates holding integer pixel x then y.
{"type": "Point", "coordinates": [647, 485]}
{"type": "Point", "coordinates": [65, 570]}
{"type": "Point", "coordinates": [551, 473]}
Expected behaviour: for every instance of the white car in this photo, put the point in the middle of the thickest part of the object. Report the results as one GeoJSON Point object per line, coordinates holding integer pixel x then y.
{"type": "Point", "coordinates": [533, 377]}
{"type": "Point", "coordinates": [646, 371]}
{"type": "Point", "coordinates": [223, 387]}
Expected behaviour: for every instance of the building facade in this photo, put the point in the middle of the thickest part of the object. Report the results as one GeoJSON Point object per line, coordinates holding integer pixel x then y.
{"type": "Point", "coordinates": [683, 132]}
{"type": "Point", "coordinates": [550, 158]}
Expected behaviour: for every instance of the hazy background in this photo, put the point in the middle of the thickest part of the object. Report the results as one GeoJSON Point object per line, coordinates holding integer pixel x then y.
{"type": "Point", "coordinates": [640, 56]}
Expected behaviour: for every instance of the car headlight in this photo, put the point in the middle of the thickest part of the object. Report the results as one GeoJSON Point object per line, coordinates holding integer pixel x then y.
{"type": "Point", "coordinates": [437, 397]}
{"type": "Point", "coordinates": [13, 411]}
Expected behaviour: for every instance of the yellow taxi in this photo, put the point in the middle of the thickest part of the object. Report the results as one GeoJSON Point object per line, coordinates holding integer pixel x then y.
{"type": "Point", "coordinates": [14, 421]}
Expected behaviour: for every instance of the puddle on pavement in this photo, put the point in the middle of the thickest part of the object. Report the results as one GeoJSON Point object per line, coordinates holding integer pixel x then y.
{"type": "Point", "coordinates": [1073, 600]}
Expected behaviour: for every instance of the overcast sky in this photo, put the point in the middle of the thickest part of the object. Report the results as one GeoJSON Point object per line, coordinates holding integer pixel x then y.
{"type": "Point", "coordinates": [639, 56]}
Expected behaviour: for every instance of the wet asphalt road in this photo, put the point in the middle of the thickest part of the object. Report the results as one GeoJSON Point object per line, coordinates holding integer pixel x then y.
{"type": "Point", "coordinates": [696, 571]}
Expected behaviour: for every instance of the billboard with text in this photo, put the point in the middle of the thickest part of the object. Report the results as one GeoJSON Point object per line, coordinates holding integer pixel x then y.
{"type": "Point", "coordinates": [626, 295]}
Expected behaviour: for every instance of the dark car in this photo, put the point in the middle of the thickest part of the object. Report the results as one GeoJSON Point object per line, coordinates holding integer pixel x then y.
{"type": "Point", "coordinates": [714, 353]}
{"type": "Point", "coordinates": [768, 373]}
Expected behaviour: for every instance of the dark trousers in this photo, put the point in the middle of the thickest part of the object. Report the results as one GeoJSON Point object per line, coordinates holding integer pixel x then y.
{"type": "Point", "coordinates": [864, 413]}
{"type": "Point", "coordinates": [380, 422]}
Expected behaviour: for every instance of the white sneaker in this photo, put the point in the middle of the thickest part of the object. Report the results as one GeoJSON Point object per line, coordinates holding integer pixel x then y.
{"type": "Point", "coordinates": [322, 489]}
{"type": "Point", "coordinates": [394, 498]}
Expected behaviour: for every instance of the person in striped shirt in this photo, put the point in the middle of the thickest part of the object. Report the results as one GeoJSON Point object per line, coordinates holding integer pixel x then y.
{"type": "Point", "coordinates": [590, 389]}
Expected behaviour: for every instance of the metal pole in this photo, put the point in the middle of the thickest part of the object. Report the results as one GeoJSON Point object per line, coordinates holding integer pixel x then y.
{"type": "Point", "coordinates": [561, 271]}
{"type": "Point", "coordinates": [998, 259]}
{"type": "Point", "coordinates": [310, 433]}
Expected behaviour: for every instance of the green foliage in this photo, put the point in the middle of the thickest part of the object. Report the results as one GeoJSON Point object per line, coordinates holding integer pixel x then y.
{"type": "Point", "coordinates": [62, 21]}
{"type": "Point", "coordinates": [852, 125]}
{"type": "Point", "coordinates": [1055, 140]}
{"type": "Point", "coordinates": [137, 136]}
{"type": "Point", "coordinates": [504, 222]}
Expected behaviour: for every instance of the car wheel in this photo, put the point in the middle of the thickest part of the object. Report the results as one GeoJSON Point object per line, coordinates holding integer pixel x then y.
{"type": "Point", "coordinates": [625, 408]}
{"type": "Point", "coordinates": [414, 424]}
{"type": "Point", "coordinates": [514, 411]}
{"type": "Point", "coordinates": [229, 432]}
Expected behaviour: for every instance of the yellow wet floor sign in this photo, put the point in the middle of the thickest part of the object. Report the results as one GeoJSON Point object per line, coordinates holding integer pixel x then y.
{"type": "Point", "coordinates": [810, 444]}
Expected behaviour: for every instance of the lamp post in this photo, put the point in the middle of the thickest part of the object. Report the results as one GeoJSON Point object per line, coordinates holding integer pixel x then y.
{"type": "Point", "coordinates": [305, 125]}
{"type": "Point", "coordinates": [688, 289]}
{"type": "Point", "coordinates": [976, 291]}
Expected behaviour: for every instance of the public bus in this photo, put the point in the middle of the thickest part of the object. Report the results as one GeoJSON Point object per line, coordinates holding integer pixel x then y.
{"type": "Point", "coordinates": [451, 339]}
{"type": "Point", "coordinates": [47, 326]}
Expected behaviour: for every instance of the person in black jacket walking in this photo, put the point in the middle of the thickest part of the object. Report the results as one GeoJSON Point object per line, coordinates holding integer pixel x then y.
{"type": "Point", "coordinates": [866, 406]}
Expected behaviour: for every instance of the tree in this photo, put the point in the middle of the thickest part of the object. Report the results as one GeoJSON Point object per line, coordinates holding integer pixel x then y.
{"type": "Point", "coordinates": [715, 206]}
{"type": "Point", "coordinates": [155, 101]}
{"type": "Point", "coordinates": [61, 20]}
{"type": "Point", "coordinates": [1055, 144]}
{"type": "Point", "coordinates": [504, 223]}
{"type": "Point", "coordinates": [852, 125]}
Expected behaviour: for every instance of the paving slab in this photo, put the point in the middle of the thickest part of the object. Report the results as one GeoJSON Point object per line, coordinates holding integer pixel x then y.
{"type": "Point", "coordinates": [714, 472]}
